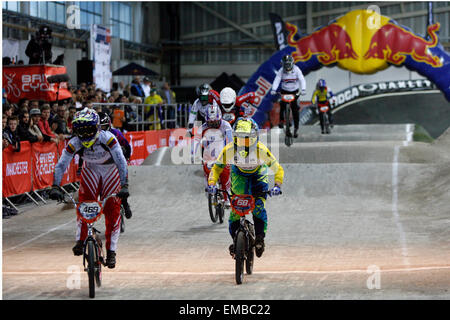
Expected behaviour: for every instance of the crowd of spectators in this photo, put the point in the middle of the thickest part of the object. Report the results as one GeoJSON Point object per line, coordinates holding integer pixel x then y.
{"type": "Point", "coordinates": [37, 121]}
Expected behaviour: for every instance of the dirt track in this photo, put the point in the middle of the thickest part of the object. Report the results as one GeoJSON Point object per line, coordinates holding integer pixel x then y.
{"type": "Point", "coordinates": [373, 204]}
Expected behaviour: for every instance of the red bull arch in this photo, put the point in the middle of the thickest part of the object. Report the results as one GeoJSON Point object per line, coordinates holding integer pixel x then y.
{"type": "Point", "coordinates": [363, 42]}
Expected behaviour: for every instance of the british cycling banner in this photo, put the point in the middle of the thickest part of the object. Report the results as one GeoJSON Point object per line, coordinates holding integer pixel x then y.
{"type": "Point", "coordinates": [30, 82]}
{"type": "Point", "coordinates": [70, 173]}
{"type": "Point", "coordinates": [44, 156]}
{"type": "Point", "coordinates": [17, 170]}
{"type": "Point", "coordinates": [138, 147]}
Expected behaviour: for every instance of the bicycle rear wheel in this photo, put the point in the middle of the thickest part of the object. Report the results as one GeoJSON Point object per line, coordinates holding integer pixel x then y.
{"type": "Point", "coordinates": [91, 267]}
{"type": "Point", "coordinates": [212, 208]}
{"type": "Point", "coordinates": [240, 257]}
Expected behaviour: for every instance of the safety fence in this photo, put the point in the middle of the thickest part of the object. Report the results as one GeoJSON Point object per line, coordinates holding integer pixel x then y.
{"type": "Point", "coordinates": [141, 117]}
{"type": "Point", "coordinates": [32, 169]}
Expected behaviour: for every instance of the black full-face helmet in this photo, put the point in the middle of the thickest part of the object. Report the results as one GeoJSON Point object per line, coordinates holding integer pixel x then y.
{"type": "Point", "coordinates": [287, 62]}
{"type": "Point", "coordinates": [203, 93]}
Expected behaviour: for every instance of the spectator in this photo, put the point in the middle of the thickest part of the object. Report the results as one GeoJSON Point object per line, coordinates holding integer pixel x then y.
{"type": "Point", "coordinates": [11, 133]}
{"type": "Point", "coordinates": [35, 115]}
{"type": "Point", "coordinates": [9, 110]}
{"type": "Point", "coordinates": [6, 61]}
{"type": "Point", "coordinates": [39, 49]}
{"type": "Point", "coordinates": [59, 123]}
{"type": "Point", "coordinates": [152, 113]}
{"type": "Point", "coordinates": [168, 96]}
{"type": "Point", "coordinates": [34, 104]}
{"type": "Point", "coordinates": [43, 123]}
{"type": "Point", "coordinates": [118, 117]}
{"type": "Point", "coordinates": [5, 142]}
{"type": "Point", "coordinates": [147, 86]}
{"type": "Point", "coordinates": [72, 111]}
{"type": "Point", "coordinates": [136, 88]}
{"type": "Point", "coordinates": [53, 112]}
{"type": "Point", "coordinates": [24, 129]}
{"type": "Point", "coordinates": [121, 87]}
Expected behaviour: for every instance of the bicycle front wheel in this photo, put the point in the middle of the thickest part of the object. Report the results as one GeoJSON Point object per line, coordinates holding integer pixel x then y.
{"type": "Point", "coordinates": [240, 257]}
{"type": "Point", "coordinates": [91, 268]}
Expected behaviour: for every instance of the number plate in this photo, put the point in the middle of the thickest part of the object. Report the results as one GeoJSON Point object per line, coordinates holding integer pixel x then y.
{"type": "Point", "coordinates": [288, 97]}
{"type": "Point", "coordinates": [89, 211]}
{"type": "Point", "coordinates": [242, 204]}
{"type": "Point", "coordinates": [229, 117]}
{"type": "Point", "coordinates": [324, 109]}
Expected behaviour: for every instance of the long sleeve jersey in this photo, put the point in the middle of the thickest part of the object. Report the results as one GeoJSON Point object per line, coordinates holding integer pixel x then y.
{"type": "Point", "coordinates": [322, 96]}
{"type": "Point", "coordinates": [290, 81]}
{"type": "Point", "coordinates": [258, 157]}
{"type": "Point", "coordinates": [104, 152]}
{"type": "Point", "coordinates": [213, 140]}
{"type": "Point", "coordinates": [196, 108]}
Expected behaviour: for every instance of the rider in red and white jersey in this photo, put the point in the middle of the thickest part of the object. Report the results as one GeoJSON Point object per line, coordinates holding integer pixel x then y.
{"type": "Point", "coordinates": [104, 173]}
{"type": "Point", "coordinates": [233, 107]}
{"type": "Point", "coordinates": [212, 137]}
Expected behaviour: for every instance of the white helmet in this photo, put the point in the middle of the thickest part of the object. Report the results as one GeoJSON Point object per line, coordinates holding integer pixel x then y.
{"type": "Point", "coordinates": [227, 98]}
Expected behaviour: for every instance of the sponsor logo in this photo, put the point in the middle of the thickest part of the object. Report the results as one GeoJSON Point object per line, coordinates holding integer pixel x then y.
{"type": "Point", "coordinates": [45, 163]}
{"type": "Point", "coordinates": [16, 168]}
{"type": "Point", "coordinates": [393, 43]}
{"type": "Point", "coordinates": [329, 44]}
{"type": "Point", "coordinates": [263, 87]}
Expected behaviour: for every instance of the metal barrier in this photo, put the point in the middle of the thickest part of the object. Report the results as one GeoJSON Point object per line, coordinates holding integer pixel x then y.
{"type": "Point", "coordinates": [141, 117]}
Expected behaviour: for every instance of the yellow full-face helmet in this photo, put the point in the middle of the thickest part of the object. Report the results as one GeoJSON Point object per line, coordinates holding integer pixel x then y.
{"type": "Point", "coordinates": [245, 133]}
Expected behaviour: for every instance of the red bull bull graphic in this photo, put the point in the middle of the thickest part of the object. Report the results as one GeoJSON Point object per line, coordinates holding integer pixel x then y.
{"type": "Point", "coordinates": [353, 42]}
{"type": "Point", "coordinates": [338, 47]}
{"type": "Point", "coordinates": [393, 44]}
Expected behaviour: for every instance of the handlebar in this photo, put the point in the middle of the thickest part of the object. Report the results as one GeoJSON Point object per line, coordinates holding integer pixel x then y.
{"type": "Point", "coordinates": [76, 203]}
{"type": "Point", "coordinates": [261, 193]}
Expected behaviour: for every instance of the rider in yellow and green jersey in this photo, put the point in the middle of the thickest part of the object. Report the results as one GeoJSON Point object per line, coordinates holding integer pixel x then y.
{"type": "Point", "coordinates": [249, 160]}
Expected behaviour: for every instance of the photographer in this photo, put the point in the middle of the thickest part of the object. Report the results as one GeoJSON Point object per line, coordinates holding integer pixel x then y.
{"type": "Point", "coordinates": [39, 49]}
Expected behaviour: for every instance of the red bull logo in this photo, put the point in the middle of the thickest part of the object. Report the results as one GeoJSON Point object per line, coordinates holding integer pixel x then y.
{"type": "Point", "coordinates": [393, 44]}
{"type": "Point", "coordinates": [330, 44]}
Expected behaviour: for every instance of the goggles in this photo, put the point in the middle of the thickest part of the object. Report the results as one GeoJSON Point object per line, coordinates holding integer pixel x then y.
{"type": "Point", "coordinates": [85, 132]}
{"type": "Point", "coordinates": [245, 140]}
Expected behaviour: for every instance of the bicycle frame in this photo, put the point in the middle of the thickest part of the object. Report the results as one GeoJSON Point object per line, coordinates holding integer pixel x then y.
{"type": "Point", "coordinates": [89, 212]}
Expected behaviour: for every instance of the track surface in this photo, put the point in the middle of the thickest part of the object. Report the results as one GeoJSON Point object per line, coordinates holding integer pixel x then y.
{"type": "Point", "coordinates": [348, 208]}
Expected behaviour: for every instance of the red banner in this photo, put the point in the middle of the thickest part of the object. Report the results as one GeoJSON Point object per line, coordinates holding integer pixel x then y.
{"type": "Point", "coordinates": [44, 156]}
{"type": "Point", "coordinates": [33, 167]}
{"type": "Point", "coordinates": [138, 147]}
{"type": "Point", "coordinates": [30, 82]}
{"type": "Point", "coordinates": [17, 170]}
{"type": "Point", "coordinates": [70, 173]}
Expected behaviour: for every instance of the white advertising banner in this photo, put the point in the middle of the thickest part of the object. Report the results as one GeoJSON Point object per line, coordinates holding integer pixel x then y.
{"type": "Point", "coordinates": [101, 55]}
